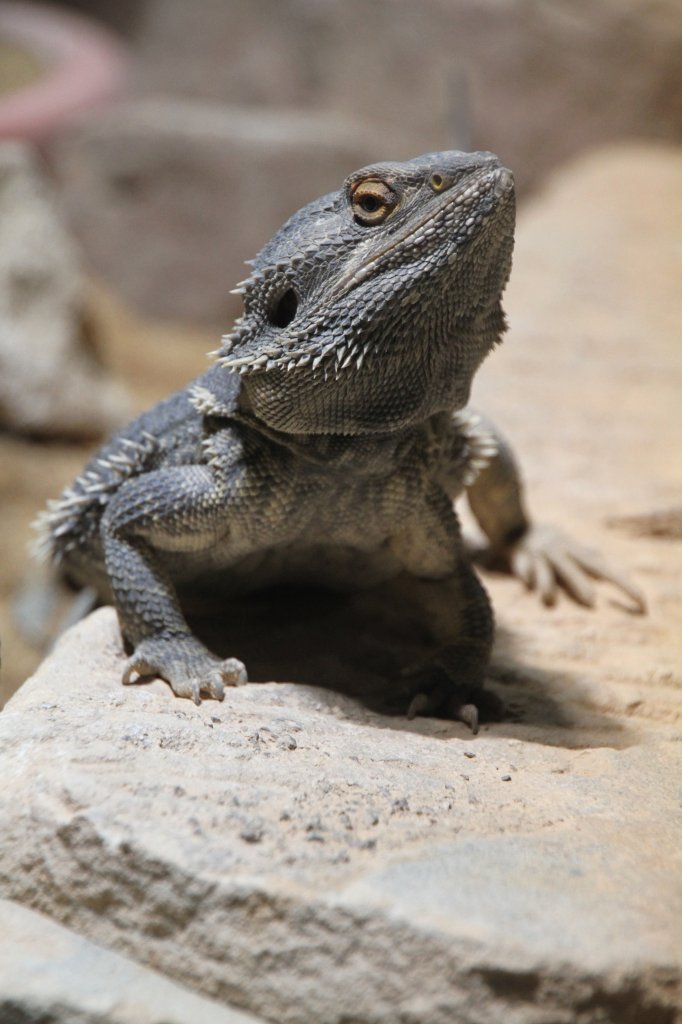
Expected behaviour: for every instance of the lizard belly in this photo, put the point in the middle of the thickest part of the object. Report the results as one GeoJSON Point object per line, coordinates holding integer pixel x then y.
{"type": "Point", "coordinates": [336, 566]}
{"type": "Point", "coordinates": [314, 534]}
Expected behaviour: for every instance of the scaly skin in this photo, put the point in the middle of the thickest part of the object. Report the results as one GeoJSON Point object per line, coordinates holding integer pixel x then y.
{"type": "Point", "coordinates": [328, 441]}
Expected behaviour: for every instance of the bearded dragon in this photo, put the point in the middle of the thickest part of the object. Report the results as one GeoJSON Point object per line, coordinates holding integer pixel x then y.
{"type": "Point", "coordinates": [330, 438]}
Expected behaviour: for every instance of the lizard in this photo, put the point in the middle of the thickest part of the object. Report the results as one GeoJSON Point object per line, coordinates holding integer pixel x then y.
{"type": "Point", "coordinates": [330, 438]}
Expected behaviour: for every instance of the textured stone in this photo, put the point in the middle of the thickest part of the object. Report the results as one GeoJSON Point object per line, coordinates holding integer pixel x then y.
{"type": "Point", "coordinates": [170, 197]}
{"type": "Point", "coordinates": [542, 80]}
{"type": "Point", "coordinates": [295, 852]}
{"type": "Point", "coordinates": [297, 92]}
{"type": "Point", "coordinates": [50, 383]}
{"type": "Point", "coordinates": [50, 975]}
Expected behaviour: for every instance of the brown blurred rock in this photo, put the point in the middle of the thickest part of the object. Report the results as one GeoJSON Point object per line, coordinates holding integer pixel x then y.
{"type": "Point", "coordinates": [50, 381]}
{"type": "Point", "coordinates": [266, 105]}
{"type": "Point", "coordinates": [544, 79]}
{"type": "Point", "coordinates": [122, 15]}
{"type": "Point", "coordinates": [152, 360]}
{"type": "Point", "coordinates": [169, 197]}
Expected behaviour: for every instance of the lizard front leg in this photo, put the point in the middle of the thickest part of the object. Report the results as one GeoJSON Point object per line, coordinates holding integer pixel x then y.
{"type": "Point", "coordinates": [543, 557]}
{"type": "Point", "coordinates": [165, 509]}
{"type": "Point", "coordinates": [454, 606]}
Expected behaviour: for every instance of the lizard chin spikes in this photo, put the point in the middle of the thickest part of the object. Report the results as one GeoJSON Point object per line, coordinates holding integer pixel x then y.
{"type": "Point", "coordinates": [330, 362]}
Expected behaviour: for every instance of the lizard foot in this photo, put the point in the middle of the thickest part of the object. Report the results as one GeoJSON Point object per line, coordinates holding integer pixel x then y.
{"type": "Point", "coordinates": [186, 665]}
{"type": "Point", "coordinates": [449, 685]}
{"type": "Point", "coordinates": [430, 703]}
{"type": "Point", "coordinates": [544, 559]}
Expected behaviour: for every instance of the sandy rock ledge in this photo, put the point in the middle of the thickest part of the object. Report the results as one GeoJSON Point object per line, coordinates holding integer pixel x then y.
{"type": "Point", "coordinates": [293, 854]}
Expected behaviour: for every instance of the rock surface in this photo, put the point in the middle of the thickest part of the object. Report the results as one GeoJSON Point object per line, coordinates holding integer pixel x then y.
{"type": "Point", "coordinates": [406, 68]}
{"type": "Point", "coordinates": [169, 197]}
{"type": "Point", "coordinates": [50, 383]}
{"type": "Point", "coordinates": [238, 117]}
{"type": "Point", "coordinates": [50, 975]}
{"type": "Point", "coordinates": [294, 852]}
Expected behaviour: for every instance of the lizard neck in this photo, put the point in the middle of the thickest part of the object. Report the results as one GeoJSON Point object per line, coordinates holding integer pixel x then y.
{"type": "Point", "coordinates": [363, 453]}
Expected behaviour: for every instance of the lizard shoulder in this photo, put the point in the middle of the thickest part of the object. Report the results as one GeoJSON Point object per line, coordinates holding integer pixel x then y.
{"type": "Point", "coordinates": [462, 446]}
{"type": "Point", "coordinates": [215, 393]}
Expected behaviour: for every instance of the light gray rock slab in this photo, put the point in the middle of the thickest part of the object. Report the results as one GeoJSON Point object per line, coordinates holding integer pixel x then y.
{"type": "Point", "coordinates": [168, 196]}
{"type": "Point", "coordinates": [51, 975]}
{"type": "Point", "coordinates": [298, 855]}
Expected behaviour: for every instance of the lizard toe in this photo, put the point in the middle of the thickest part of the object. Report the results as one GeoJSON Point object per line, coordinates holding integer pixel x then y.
{"type": "Point", "coordinates": [454, 708]}
{"type": "Point", "coordinates": [234, 672]}
{"type": "Point", "coordinates": [186, 665]}
{"type": "Point", "coordinates": [447, 685]}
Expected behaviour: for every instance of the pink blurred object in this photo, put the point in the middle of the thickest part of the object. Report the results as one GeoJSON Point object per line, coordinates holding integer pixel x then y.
{"type": "Point", "coordinates": [84, 64]}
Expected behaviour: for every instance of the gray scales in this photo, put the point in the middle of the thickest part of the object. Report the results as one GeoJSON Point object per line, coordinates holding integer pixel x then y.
{"type": "Point", "coordinates": [331, 437]}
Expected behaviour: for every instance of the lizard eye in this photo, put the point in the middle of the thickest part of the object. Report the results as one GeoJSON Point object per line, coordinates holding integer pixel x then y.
{"type": "Point", "coordinates": [372, 201]}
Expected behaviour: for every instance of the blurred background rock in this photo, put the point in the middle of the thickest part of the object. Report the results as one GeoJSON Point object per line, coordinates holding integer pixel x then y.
{"type": "Point", "coordinates": [241, 110]}
{"type": "Point", "coordinates": [228, 115]}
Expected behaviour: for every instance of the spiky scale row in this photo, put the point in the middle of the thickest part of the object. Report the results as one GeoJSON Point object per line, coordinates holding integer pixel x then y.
{"type": "Point", "coordinates": [480, 444]}
{"type": "Point", "coordinates": [102, 478]}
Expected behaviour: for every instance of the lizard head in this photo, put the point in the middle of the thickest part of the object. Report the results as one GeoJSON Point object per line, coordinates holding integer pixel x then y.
{"type": "Point", "coordinates": [372, 307]}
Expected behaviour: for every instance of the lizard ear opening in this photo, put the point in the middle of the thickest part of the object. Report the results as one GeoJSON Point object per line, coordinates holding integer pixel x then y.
{"type": "Point", "coordinates": [284, 309]}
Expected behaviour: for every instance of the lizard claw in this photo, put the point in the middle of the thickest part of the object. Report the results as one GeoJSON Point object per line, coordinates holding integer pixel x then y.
{"type": "Point", "coordinates": [545, 559]}
{"type": "Point", "coordinates": [186, 665]}
{"type": "Point", "coordinates": [467, 713]}
{"type": "Point", "coordinates": [423, 703]}
{"type": "Point", "coordinates": [419, 704]}
{"type": "Point", "coordinates": [445, 684]}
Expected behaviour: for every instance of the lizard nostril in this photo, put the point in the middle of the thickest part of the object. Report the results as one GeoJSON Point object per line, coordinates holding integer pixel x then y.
{"type": "Point", "coordinates": [284, 310]}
